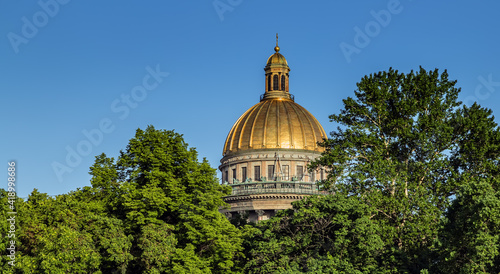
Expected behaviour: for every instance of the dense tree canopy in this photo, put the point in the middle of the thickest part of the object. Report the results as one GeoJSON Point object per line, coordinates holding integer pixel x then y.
{"type": "Point", "coordinates": [413, 177]}
{"type": "Point", "coordinates": [168, 200]}
{"type": "Point", "coordinates": [321, 234]}
{"type": "Point", "coordinates": [470, 237]}
{"type": "Point", "coordinates": [153, 210]}
{"type": "Point", "coordinates": [405, 147]}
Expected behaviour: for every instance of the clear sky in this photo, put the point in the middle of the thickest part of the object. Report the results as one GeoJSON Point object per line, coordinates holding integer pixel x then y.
{"type": "Point", "coordinates": [79, 77]}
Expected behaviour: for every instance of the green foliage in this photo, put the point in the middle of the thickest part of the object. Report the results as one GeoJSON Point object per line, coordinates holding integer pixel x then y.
{"type": "Point", "coordinates": [70, 234]}
{"type": "Point", "coordinates": [405, 146]}
{"type": "Point", "coordinates": [169, 203]}
{"type": "Point", "coordinates": [157, 243]}
{"type": "Point", "coordinates": [162, 179]}
{"type": "Point", "coordinates": [105, 185]}
{"type": "Point", "coordinates": [153, 210]}
{"type": "Point", "coordinates": [470, 237]}
{"type": "Point", "coordinates": [321, 234]}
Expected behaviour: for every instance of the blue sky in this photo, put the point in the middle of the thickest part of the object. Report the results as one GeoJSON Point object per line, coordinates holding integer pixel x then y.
{"type": "Point", "coordinates": [79, 77]}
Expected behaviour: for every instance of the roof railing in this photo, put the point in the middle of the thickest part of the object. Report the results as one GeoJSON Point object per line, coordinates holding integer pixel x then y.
{"type": "Point", "coordinates": [278, 187]}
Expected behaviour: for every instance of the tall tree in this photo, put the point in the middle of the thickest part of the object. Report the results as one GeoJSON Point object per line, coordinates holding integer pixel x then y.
{"type": "Point", "coordinates": [157, 183]}
{"type": "Point", "coordinates": [404, 146]}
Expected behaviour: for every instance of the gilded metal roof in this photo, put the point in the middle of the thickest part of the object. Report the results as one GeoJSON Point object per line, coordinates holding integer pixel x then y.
{"type": "Point", "coordinates": [276, 123]}
{"type": "Point", "coordinates": [276, 59]}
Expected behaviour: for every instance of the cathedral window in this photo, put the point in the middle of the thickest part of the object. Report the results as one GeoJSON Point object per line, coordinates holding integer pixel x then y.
{"type": "Point", "coordinates": [269, 82]}
{"type": "Point", "coordinates": [256, 175]}
{"type": "Point", "coordinates": [270, 172]}
{"type": "Point", "coordinates": [283, 82]}
{"type": "Point", "coordinates": [285, 169]}
{"type": "Point", "coordinates": [300, 172]}
{"type": "Point", "coordinates": [243, 174]}
{"type": "Point", "coordinates": [234, 174]}
{"type": "Point", "coordinates": [275, 82]}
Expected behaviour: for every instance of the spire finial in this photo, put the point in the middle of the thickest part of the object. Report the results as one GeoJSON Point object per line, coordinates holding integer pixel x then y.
{"type": "Point", "coordinates": [276, 48]}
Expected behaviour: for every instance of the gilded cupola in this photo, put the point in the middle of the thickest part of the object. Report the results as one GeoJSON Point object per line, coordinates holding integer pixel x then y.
{"type": "Point", "coordinates": [276, 122]}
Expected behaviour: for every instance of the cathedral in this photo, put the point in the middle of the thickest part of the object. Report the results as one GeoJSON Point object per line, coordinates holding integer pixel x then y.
{"type": "Point", "coordinates": [268, 149]}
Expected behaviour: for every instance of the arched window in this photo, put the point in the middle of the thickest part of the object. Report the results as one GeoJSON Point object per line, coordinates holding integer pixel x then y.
{"type": "Point", "coordinates": [269, 82]}
{"type": "Point", "coordinates": [275, 82]}
{"type": "Point", "coordinates": [283, 82]}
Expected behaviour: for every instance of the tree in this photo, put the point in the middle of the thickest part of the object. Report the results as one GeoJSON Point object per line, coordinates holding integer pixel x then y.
{"type": "Point", "coordinates": [166, 198]}
{"type": "Point", "coordinates": [320, 234]}
{"type": "Point", "coordinates": [470, 238]}
{"type": "Point", "coordinates": [153, 210]}
{"type": "Point", "coordinates": [157, 243]}
{"type": "Point", "coordinates": [405, 146]}
{"type": "Point", "coordinates": [70, 233]}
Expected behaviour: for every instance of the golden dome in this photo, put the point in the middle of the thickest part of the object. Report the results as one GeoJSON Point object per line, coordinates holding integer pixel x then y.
{"type": "Point", "coordinates": [276, 123]}
{"type": "Point", "coordinates": [276, 59]}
